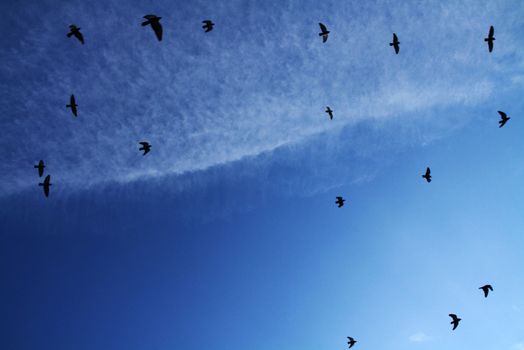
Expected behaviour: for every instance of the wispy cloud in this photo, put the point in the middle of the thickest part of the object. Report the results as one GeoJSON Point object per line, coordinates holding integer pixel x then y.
{"type": "Point", "coordinates": [419, 337]}
{"type": "Point", "coordinates": [258, 82]}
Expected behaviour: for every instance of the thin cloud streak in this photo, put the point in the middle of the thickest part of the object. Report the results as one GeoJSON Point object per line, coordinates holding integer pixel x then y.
{"type": "Point", "coordinates": [241, 91]}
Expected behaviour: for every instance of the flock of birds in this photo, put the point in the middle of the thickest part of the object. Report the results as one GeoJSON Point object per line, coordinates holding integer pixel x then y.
{"type": "Point", "coordinates": [154, 22]}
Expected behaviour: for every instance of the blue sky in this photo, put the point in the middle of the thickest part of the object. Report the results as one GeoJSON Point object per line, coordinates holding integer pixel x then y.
{"type": "Point", "coordinates": [226, 235]}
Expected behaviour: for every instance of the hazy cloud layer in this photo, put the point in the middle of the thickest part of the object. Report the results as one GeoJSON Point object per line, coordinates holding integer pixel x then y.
{"type": "Point", "coordinates": [259, 81]}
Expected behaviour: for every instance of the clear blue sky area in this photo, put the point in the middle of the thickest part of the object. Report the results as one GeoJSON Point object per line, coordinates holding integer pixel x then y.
{"type": "Point", "coordinates": [226, 235]}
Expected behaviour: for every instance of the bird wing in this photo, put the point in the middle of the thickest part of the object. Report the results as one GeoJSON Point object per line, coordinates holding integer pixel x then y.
{"type": "Point", "coordinates": [324, 38]}
{"type": "Point", "coordinates": [395, 39]}
{"type": "Point", "coordinates": [490, 46]}
{"type": "Point", "coordinates": [322, 28]}
{"type": "Point", "coordinates": [491, 32]}
{"type": "Point", "coordinates": [145, 144]}
{"type": "Point", "coordinates": [502, 114]}
{"type": "Point", "coordinates": [428, 171]}
{"type": "Point", "coordinates": [485, 290]}
{"type": "Point", "coordinates": [79, 36]}
{"type": "Point", "coordinates": [157, 27]}
{"type": "Point", "coordinates": [397, 48]}
{"type": "Point", "coordinates": [490, 287]}
{"type": "Point", "coordinates": [72, 100]}
{"type": "Point", "coordinates": [453, 316]}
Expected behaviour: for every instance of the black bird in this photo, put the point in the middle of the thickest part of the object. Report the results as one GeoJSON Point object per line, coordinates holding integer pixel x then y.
{"type": "Point", "coordinates": [340, 201]}
{"type": "Point", "coordinates": [46, 184]}
{"type": "Point", "coordinates": [503, 119]}
{"type": "Point", "coordinates": [324, 32]}
{"type": "Point", "coordinates": [40, 168]}
{"type": "Point", "coordinates": [427, 175]}
{"type": "Point", "coordinates": [208, 25]}
{"type": "Point", "coordinates": [490, 38]}
{"type": "Point", "coordinates": [351, 342]}
{"type": "Point", "coordinates": [395, 43]}
{"type": "Point", "coordinates": [72, 104]}
{"type": "Point", "coordinates": [155, 24]}
{"type": "Point", "coordinates": [455, 321]}
{"type": "Point", "coordinates": [146, 147]}
{"type": "Point", "coordinates": [330, 112]}
{"type": "Point", "coordinates": [74, 30]}
{"type": "Point", "coordinates": [486, 289]}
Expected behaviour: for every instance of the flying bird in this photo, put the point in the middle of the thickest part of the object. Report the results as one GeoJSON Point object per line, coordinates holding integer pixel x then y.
{"type": "Point", "coordinates": [395, 43]}
{"type": "Point", "coordinates": [155, 24]}
{"type": "Point", "coordinates": [40, 168]}
{"type": "Point", "coordinates": [503, 119]}
{"type": "Point", "coordinates": [490, 38]}
{"type": "Point", "coordinates": [46, 184]}
{"type": "Point", "coordinates": [455, 321]}
{"type": "Point", "coordinates": [146, 147]}
{"type": "Point", "coordinates": [486, 289]}
{"type": "Point", "coordinates": [74, 30]}
{"type": "Point", "coordinates": [208, 25]}
{"type": "Point", "coordinates": [324, 32]}
{"type": "Point", "coordinates": [351, 342]}
{"type": "Point", "coordinates": [340, 201]}
{"type": "Point", "coordinates": [330, 112]}
{"type": "Point", "coordinates": [72, 104]}
{"type": "Point", "coordinates": [427, 175]}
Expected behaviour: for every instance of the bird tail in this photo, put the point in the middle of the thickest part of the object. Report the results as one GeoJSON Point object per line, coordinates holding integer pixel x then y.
{"type": "Point", "coordinates": [486, 39]}
{"type": "Point", "coordinates": [390, 44]}
{"type": "Point", "coordinates": [146, 23]}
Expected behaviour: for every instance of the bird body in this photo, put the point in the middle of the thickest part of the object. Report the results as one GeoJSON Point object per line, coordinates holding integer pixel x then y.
{"type": "Point", "coordinates": [154, 21]}
{"type": "Point", "coordinates": [503, 119]}
{"type": "Point", "coordinates": [146, 147]}
{"type": "Point", "coordinates": [455, 321]}
{"type": "Point", "coordinates": [324, 32]}
{"type": "Point", "coordinates": [486, 289]}
{"type": "Point", "coordinates": [74, 30]}
{"type": "Point", "coordinates": [490, 38]}
{"type": "Point", "coordinates": [351, 342]}
{"type": "Point", "coordinates": [395, 43]}
{"type": "Point", "coordinates": [46, 184]}
{"type": "Point", "coordinates": [40, 168]}
{"type": "Point", "coordinates": [208, 25]}
{"type": "Point", "coordinates": [72, 104]}
{"type": "Point", "coordinates": [340, 201]}
{"type": "Point", "coordinates": [330, 112]}
{"type": "Point", "coordinates": [427, 175]}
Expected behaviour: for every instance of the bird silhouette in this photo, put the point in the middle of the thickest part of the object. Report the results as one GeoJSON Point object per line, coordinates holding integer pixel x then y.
{"type": "Point", "coordinates": [146, 147]}
{"type": "Point", "coordinates": [395, 43]}
{"type": "Point", "coordinates": [72, 104]}
{"type": "Point", "coordinates": [490, 38]}
{"type": "Point", "coordinates": [154, 21]}
{"type": "Point", "coordinates": [455, 321]}
{"type": "Point", "coordinates": [40, 168]}
{"type": "Point", "coordinates": [427, 175]}
{"type": "Point", "coordinates": [351, 342]}
{"type": "Point", "coordinates": [330, 112]}
{"type": "Point", "coordinates": [503, 119]}
{"type": "Point", "coordinates": [74, 30]}
{"type": "Point", "coordinates": [340, 201]}
{"type": "Point", "coordinates": [208, 25]}
{"type": "Point", "coordinates": [46, 184]}
{"type": "Point", "coordinates": [486, 289]}
{"type": "Point", "coordinates": [324, 32]}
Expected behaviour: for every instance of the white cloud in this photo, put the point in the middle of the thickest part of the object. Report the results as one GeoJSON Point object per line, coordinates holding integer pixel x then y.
{"type": "Point", "coordinates": [419, 337]}
{"type": "Point", "coordinates": [204, 100]}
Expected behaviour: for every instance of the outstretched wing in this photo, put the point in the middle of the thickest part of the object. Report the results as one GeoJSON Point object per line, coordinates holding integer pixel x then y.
{"type": "Point", "coordinates": [502, 114]}
{"type": "Point", "coordinates": [428, 172]}
{"type": "Point", "coordinates": [145, 144]}
{"type": "Point", "coordinates": [323, 28]}
{"type": "Point", "coordinates": [490, 45]}
{"type": "Point", "coordinates": [157, 27]}
{"type": "Point", "coordinates": [79, 36]}
{"type": "Point", "coordinates": [41, 168]}
{"type": "Point", "coordinates": [453, 316]}
{"type": "Point", "coordinates": [491, 32]}
{"type": "Point", "coordinates": [490, 287]}
{"type": "Point", "coordinates": [395, 38]}
{"type": "Point", "coordinates": [485, 290]}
